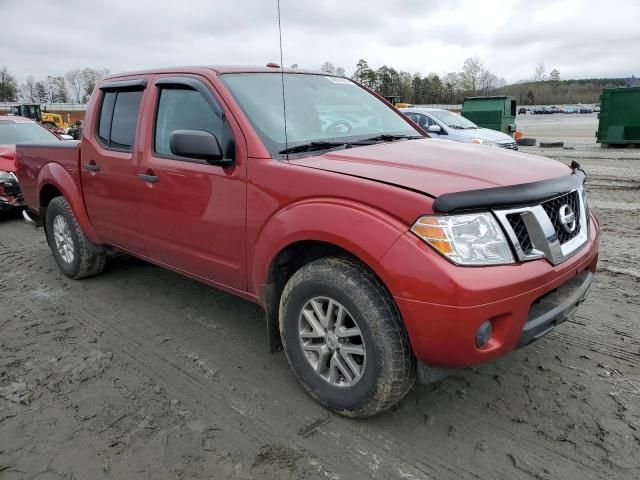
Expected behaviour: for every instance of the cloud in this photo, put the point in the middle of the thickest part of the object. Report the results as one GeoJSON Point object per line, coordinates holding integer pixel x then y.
{"type": "Point", "coordinates": [579, 38]}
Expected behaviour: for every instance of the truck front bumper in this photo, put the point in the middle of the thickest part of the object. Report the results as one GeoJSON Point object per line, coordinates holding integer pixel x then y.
{"type": "Point", "coordinates": [555, 307]}
{"type": "Point", "coordinates": [522, 302]}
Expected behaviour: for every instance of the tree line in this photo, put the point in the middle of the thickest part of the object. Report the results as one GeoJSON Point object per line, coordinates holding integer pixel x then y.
{"type": "Point", "coordinates": [75, 86]}
{"type": "Point", "coordinates": [473, 79]}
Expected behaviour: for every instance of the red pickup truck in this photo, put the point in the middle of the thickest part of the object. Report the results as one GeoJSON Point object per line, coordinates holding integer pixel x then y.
{"type": "Point", "coordinates": [379, 255]}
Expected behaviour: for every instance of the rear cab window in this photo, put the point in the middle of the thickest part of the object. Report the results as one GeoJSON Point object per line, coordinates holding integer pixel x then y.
{"type": "Point", "coordinates": [118, 117]}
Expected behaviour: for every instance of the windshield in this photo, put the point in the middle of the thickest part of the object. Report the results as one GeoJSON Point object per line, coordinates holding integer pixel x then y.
{"type": "Point", "coordinates": [12, 133]}
{"type": "Point", "coordinates": [319, 109]}
{"type": "Point", "coordinates": [453, 120]}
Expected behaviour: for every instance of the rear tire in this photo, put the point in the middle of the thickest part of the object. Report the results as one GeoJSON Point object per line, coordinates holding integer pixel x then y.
{"type": "Point", "coordinates": [344, 338]}
{"type": "Point", "coordinates": [74, 253]}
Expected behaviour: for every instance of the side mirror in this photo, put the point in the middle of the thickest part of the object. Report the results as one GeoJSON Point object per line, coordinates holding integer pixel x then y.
{"type": "Point", "coordinates": [434, 129]}
{"type": "Point", "coordinates": [198, 145]}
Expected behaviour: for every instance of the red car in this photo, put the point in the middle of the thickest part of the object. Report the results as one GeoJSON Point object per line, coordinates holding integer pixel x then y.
{"type": "Point", "coordinates": [379, 255]}
{"type": "Point", "coordinates": [14, 130]}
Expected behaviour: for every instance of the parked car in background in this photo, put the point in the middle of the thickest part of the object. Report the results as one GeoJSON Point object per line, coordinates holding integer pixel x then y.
{"type": "Point", "coordinates": [570, 109]}
{"type": "Point", "coordinates": [585, 109]}
{"type": "Point", "coordinates": [522, 111]}
{"type": "Point", "coordinates": [12, 131]}
{"type": "Point", "coordinates": [379, 255]}
{"type": "Point", "coordinates": [452, 126]}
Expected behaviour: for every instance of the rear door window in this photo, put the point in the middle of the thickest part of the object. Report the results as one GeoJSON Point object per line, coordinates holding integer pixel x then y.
{"type": "Point", "coordinates": [106, 111]}
{"type": "Point", "coordinates": [119, 118]}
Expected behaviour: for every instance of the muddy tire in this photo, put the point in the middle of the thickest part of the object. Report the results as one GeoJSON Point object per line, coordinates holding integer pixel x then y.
{"type": "Point", "coordinates": [74, 253]}
{"type": "Point", "coordinates": [344, 338]}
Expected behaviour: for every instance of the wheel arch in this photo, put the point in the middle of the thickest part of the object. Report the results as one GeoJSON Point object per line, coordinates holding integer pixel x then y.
{"type": "Point", "coordinates": [309, 231]}
{"type": "Point", "coordinates": [54, 181]}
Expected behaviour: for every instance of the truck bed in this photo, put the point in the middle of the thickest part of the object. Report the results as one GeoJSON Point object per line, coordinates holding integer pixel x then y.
{"type": "Point", "coordinates": [32, 158]}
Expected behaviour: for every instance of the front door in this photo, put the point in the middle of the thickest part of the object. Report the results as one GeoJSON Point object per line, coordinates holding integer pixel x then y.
{"type": "Point", "coordinates": [193, 213]}
{"type": "Point", "coordinates": [109, 165]}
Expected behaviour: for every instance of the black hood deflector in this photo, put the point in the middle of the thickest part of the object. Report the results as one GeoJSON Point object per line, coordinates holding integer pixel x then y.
{"type": "Point", "coordinates": [510, 196]}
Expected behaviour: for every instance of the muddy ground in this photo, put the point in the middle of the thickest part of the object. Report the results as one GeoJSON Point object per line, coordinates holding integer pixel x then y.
{"type": "Point", "coordinates": [141, 373]}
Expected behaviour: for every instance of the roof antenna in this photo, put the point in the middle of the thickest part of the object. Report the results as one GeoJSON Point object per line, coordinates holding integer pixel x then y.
{"type": "Point", "coordinates": [284, 102]}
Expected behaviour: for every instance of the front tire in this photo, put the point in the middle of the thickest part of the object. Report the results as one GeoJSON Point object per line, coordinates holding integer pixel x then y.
{"type": "Point", "coordinates": [74, 253]}
{"type": "Point", "coordinates": [344, 338]}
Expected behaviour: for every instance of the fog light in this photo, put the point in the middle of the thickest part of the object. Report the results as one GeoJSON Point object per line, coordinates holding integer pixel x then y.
{"type": "Point", "coordinates": [484, 334]}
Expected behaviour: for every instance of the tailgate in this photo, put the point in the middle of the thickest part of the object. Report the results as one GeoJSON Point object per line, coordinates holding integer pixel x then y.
{"type": "Point", "coordinates": [32, 157]}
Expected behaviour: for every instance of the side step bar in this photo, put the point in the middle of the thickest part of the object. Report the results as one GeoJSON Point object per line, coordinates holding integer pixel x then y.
{"type": "Point", "coordinates": [32, 218]}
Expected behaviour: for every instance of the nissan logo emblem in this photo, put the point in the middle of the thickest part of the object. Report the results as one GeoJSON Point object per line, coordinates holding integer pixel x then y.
{"type": "Point", "coordinates": [567, 218]}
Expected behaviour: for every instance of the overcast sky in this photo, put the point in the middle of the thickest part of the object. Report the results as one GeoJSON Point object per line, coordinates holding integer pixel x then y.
{"type": "Point", "coordinates": [578, 37]}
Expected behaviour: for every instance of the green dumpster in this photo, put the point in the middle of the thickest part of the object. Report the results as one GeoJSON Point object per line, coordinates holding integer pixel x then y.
{"type": "Point", "coordinates": [619, 118]}
{"type": "Point", "coordinates": [496, 113]}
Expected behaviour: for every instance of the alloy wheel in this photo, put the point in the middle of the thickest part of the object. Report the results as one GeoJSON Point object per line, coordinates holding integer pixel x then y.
{"type": "Point", "coordinates": [63, 239]}
{"type": "Point", "coordinates": [332, 341]}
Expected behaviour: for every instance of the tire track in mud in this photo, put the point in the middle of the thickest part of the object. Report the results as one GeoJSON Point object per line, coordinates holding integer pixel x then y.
{"type": "Point", "coordinates": [118, 333]}
{"type": "Point", "coordinates": [128, 332]}
{"type": "Point", "coordinates": [196, 392]}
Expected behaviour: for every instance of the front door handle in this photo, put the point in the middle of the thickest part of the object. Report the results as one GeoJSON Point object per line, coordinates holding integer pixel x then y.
{"type": "Point", "coordinates": [92, 167]}
{"type": "Point", "coordinates": [148, 178]}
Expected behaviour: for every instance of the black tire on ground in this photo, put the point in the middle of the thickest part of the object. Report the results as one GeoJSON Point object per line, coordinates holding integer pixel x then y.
{"type": "Point", "coordinates": [526, 142]}
{"type": "Point", "coordinates": [389, 367]}
{"type": "Point", "coordinates": [551, 144]}
{"type": "Point", "coordinates": [88, 258]}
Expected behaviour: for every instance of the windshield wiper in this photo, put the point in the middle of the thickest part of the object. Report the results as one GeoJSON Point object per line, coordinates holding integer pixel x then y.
{"type": "Point", "coordinates": [385, 138]}
{"type": "Point", "coordinates": [321, 145]}
{"type": "Point", "coordinates": [312, 146]}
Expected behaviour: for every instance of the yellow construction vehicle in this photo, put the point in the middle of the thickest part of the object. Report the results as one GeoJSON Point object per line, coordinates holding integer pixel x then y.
{"type": "Point", "coordinates": [54, 120]}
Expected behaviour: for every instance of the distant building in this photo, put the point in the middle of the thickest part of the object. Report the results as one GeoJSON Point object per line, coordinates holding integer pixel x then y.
{"type": "Point", "coordinates": [633, 81]}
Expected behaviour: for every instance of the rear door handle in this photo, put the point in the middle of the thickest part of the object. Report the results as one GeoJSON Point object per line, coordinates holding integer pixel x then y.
{"type": "Point", "coordinates": [92, 167]}
{"type": "Point", "coordinates": [148, 178]}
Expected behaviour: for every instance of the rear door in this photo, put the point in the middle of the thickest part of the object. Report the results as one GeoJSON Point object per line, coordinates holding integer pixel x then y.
{"type": "Point", "coordinates": [193, 213]}
{"type": "Point", "coordinates": [109, 165]}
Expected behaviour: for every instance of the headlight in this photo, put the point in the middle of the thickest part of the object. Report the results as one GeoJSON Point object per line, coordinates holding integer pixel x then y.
{"type": "Point", "coordinates": [469, 239]}
{"type": "Point", "coordinates": [480, 141]}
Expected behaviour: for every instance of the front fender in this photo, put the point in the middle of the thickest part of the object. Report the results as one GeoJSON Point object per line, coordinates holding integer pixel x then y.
{"type": "Point", "coordinates": [54, 174]}
{"type": "Point", "coordinates": [360, 229]}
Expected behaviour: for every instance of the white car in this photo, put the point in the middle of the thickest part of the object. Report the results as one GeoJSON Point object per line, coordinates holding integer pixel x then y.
{"type": "Point", "coordinates": [452, 126]}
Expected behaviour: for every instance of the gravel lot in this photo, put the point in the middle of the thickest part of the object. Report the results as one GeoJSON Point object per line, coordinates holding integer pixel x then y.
{"type": "Point", "coordinates": [141, 373]}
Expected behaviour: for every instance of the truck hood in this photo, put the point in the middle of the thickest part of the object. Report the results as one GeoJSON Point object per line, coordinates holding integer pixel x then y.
{"type": "Point", "coordinates": [435, 167]}
{"type": "Point", "coordinates": [7, 158]}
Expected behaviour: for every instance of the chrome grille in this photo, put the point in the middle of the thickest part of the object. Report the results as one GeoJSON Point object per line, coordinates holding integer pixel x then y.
{"type": "Point", "coordinates": [537, 231]}
{"type": "Point", "coordinates": [520, 229]}
{"type": "Point", "coordinates": [552, 207]}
